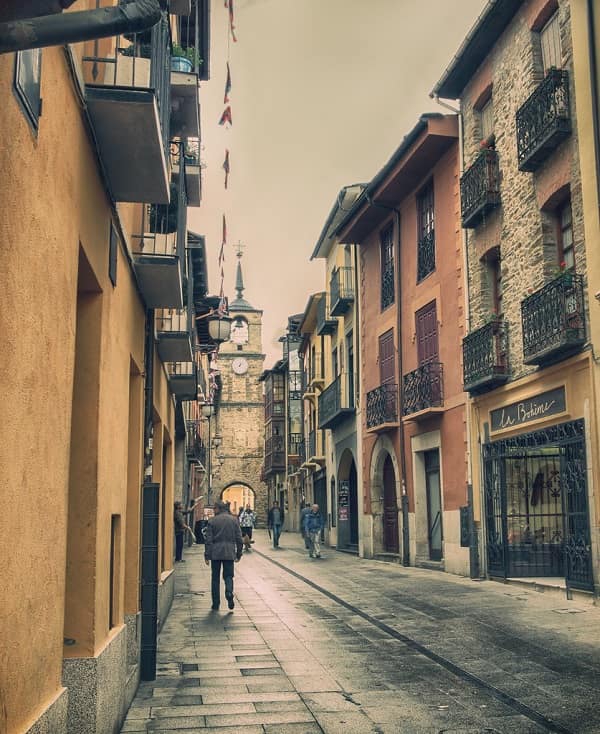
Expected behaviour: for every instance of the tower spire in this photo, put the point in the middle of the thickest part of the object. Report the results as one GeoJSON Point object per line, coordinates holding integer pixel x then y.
{"type": "Point", "coordinates": [240, 303]}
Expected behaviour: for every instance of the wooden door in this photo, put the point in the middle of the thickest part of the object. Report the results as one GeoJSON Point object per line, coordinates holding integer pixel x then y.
{"type": "Point", "coordinates": [390, 508]}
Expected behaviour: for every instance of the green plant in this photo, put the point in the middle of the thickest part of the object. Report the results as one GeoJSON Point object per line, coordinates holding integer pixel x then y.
{"type": "Point", "coordinates": [187, 53]}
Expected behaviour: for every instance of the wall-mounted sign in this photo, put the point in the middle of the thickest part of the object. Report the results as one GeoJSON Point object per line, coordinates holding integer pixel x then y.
{"type": "Point", "coordinates": [343, 513]}
{"type": "Point", "coordinates": [343, 494]}
{"type": "Point", "coordinates": [539, 406]}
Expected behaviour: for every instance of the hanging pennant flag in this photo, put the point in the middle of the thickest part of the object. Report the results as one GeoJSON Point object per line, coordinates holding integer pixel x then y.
{"type": "Point", "coordinates": [227, 85]}
{"type": "Point", "coordinates": [226, 116]}
{"type": "Point", "coordinates": [224, 238]}
{"type": "Point", "coordinates": [226, 167]}
{"type": "Point", "coordinates": [231, 21]}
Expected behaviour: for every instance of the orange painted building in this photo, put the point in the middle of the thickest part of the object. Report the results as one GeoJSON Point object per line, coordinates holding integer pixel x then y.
{"type": "Point", "coordinates": [411, 285]}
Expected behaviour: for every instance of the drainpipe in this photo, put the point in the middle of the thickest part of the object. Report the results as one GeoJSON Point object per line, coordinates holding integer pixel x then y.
{"type": "Point", "coordinates": [474, 562]}
{"type": "Point", "coordinates": [150, 518]}
{"type": "Point", "coordinates": [404, 498]}
{"type": "Point", "coordinates": [60, 29]}
{"type": "Point", "coordinates": [593, 62]}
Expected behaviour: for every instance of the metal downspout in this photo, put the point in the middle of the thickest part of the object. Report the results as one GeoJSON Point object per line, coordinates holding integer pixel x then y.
{"type": "Point", "coordinates": [85, 25]}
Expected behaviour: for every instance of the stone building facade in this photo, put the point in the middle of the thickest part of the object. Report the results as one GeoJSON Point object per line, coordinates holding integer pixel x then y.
{"type": "Point", "coordinates": [237, 462]}
{"type": "Point", "coordinates": [527, 360]}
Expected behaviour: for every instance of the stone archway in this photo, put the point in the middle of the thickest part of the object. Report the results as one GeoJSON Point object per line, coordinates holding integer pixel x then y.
{"type": "Point", "coordinates": [238, 494]}
{"type": "Point", "coordinates": [386, 492]}
{"type": "Point", "coordinates": [347, 501]}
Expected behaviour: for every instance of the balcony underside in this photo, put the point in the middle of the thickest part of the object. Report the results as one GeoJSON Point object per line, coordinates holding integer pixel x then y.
{"type": "Point", "coordinates": [340, 306]}
{"type": "Point", "coordinates": [336, 418]}
{"type": "Point", "coordinates": [424, 414]}
{"type": "Point", "coordinates": [184, 387]}
{"type": "Point", "coordinates": [485, 383]}
{"type": "Point", "coordinates": [159, 279]}
{"type": "Point", "coordinates": [566, 347]}
{"type": "Point", "coordinates": [185, 117]}
{"type": "Point", "coordinates": [538, 154]}
{"type": "Point", "coordinates": [174, 346]}
{"type": "Point", "coordinates": [476, 216]}
{"type": "Point", "coordinates": [326, 327]}
{"type": "Point", "coordinates": [127, 129]}
{"type": "Point", "coordinates": [382, 427]}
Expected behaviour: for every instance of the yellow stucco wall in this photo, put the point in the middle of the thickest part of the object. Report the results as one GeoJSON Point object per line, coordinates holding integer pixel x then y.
{"type": "Point", "coordinates": [55, 207]}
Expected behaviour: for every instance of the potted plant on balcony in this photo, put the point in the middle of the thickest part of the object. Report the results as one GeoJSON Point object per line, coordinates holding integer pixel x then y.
{"type": "Point", "coordinates": [184, 59]}
{"type": "Point", "coordinates": [564, 274]}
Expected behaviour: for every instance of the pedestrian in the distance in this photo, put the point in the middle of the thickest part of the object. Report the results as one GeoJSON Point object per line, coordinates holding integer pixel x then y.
{"type": "Point", "coordinates": [181, 527]}
{"type": "Point", "coordinates": [247, 523]}
{"type": "Point", "coordinates": [314, 524]}
{"type": "Point", "coordinates": [275, 522]}
{"type": "Point", "coordinates": [303, 513]}
{"type": "Point", "coordinates": [223, 546]}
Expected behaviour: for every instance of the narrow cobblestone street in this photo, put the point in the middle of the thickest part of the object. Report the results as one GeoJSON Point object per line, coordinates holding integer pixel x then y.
{"type": "Point", "coordinates": [347, 645]}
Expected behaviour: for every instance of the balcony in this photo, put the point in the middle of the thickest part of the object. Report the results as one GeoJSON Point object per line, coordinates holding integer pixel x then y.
{"type": "Point", "coordinates": [425, 255]}
{"type": "Point", "coordinates": [314, 376]}
{"type": "Point", "coordinates": [159, 250]}
{"type": "Point", "coordinates": [553, 320]}
{"type": "Point", "coordinates": [382, 407]}
{"type": "Point", "coordinates": [315, 451]}
{"type": "Point", "coordinates": [341, 288]}
{"type": "Point", "coordinates": [194, 447]}
{"type": "Point", "coordinates": [485, 357]}
{"type": "Point", "coordinates": [480, 188]}
{"type": "Point", "coordinates": [336, 402]}
{"type": "Point", "coordinates": [128, 100]}
{"type": "Point", "coordinates": [183, 380]}
{"type": "Point", "coordinates": [193, 181]}
{"type": "Point", "coordinates": [274, 454]}
{"type": "Point", "coordinates": [295, 445]}
{"type": "Point", "coordinates": [423, 391]}
{"type": "Point", "coordinates": [544, 121]}
{"type": "Point", "coordinates": [325, 324]}
{"type": "Point", "coordinates": [173, 328]}
{"type": "Point", "coordinates": [185, 115]}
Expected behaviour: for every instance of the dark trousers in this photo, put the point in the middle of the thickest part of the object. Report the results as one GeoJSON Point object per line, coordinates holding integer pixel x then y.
{"type": "Point", "coordinates": [247, 531]}
{"type": "Point", "coordinates": [276, 534]}
{"type": "Point", "coordinates": [178, 546]}
{"type": "Point", "coordinates": [215, 567]}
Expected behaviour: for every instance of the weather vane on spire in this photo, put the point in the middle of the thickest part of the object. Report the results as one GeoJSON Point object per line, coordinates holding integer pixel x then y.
{"type": "Point", "coordinates": [239, 249]}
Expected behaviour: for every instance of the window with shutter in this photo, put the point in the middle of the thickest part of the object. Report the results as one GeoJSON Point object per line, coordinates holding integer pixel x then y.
{"type": "Point", "coordinates": [427, 334]}
{"type": "Point", "coordinates": [386, 357]}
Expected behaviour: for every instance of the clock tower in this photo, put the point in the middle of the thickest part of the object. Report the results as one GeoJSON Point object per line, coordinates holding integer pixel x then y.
{"type": "Point", "coordinates": [240, 415]}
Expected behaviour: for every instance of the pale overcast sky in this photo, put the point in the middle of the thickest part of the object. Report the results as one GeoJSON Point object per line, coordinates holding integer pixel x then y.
{"type": "Point", "coordinates": [323, 91]}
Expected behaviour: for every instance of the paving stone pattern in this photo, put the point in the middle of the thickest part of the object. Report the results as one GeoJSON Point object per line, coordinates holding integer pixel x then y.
{"type": "Point", "coordinates": [290, 660]}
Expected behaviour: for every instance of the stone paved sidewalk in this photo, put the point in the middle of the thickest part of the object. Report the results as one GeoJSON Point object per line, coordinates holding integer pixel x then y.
{"type": "Point", "coordinates": [291, 660]}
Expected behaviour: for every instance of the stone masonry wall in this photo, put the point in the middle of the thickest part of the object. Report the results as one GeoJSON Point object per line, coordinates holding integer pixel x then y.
{"type": "Point", "coordinates": [524, 233]}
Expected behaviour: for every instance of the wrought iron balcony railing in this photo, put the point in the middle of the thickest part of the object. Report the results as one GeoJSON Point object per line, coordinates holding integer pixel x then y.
{"type": "Point", "coordinates": [423, 388]}
{"type": "Point", "coordinates": [325, 323]}
{"type": "Point", "coordinates": [553, 320]}
{"type": "Point", "coordinates": [544, 121]}
{"type": "Point", "coordinates": [314, 446]}
{"type": "Point", "coordinates": [485, 357]}
{"type": "Point", "coordinates": [341, 287]}
{"type": "Point", "coordinates": [382, 406]}
{"type": "Point", "coordinates": [480, 188]}
{"type": "Point", "coordinates": [336, 402]}
{"type": "Point", "coordinates": [426, 255]}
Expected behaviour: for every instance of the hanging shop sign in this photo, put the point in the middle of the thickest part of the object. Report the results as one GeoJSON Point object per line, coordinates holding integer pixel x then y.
{"type": "Point", "coordinates": [539, 406]}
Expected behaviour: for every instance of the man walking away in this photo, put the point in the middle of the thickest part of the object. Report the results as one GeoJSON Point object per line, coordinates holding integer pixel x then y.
{"type": "Point", "coordinates": [275, 522]}
{"type": "Point", "coordinates": [303, 513]}
{"type": "Point", "coordinates": [223, 546]}
{"type": "Point", "coordinates": [247, 522]}
{"type": "Point", "coordinates": [313, 523]}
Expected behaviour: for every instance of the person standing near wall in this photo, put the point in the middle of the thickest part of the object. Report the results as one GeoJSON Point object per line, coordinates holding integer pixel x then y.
{"type": "Point", "coordinates": [180, 528]}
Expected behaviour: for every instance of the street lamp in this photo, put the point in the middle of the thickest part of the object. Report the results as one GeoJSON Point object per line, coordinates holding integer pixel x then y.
{"type": "Point", "coordinates": [219, 327]}
{"type": "Point", "coordinates": [207, 410]}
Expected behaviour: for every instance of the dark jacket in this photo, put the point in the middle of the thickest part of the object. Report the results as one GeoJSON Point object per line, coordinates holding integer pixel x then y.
{"type": "Point", "coordinates": [313, 522]}
{"type": "Point", "coordinates": [303, 513]}
{"type": "Point", "coordinates": [179, 520]}
{"type": "Point", "coordinates": [223, 538]}
{"type": "Point", "coordinates": [270, 517]}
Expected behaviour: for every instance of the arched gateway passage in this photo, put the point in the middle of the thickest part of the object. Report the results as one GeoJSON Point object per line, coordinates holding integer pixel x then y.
{"type": "Point", "coordinates": [238, 495]}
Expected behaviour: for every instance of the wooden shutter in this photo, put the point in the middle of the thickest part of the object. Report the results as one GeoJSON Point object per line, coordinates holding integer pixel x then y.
{"type": "Point", "coordinates": [387, 370]}
{"type": "Point", "coordinates": [427, 334]}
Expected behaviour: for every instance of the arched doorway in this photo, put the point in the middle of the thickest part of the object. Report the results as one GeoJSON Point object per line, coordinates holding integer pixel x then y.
{"type": "Point", "coordinates": [238, 495]}
{"type": "Point", "coordinates": [390, 508]}
{"type": "Point", "coordinates": [347, 502]}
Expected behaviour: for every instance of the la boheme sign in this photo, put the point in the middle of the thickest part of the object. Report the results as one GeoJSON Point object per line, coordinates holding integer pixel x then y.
{"type": "Point", "coordinates": [540, 406]}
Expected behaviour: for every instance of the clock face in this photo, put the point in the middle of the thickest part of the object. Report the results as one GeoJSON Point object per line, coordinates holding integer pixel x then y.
{"type": "Point", "coordinates": [239, 365]}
